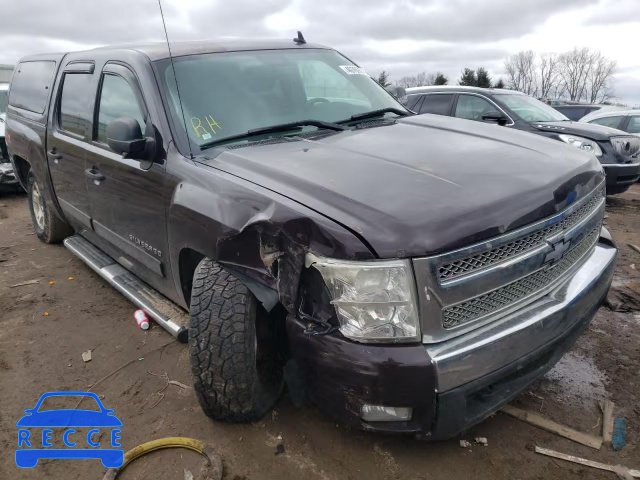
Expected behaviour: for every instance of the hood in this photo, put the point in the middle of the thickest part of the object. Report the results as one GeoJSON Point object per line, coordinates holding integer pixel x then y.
{"type": "Point", "coordinates": [588, 130]}
{"type": "Point", "coordinates": [423, 184]}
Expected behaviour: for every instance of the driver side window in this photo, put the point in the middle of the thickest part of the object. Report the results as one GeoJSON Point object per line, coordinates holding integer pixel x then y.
{"type": "Point", "coordinates": [472, 107]}
{"type": "Point", "coordinates": [117, 99]}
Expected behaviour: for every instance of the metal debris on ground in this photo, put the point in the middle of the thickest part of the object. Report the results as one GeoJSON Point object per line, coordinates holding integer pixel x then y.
{"type": "Point", "coordinates": [86, 356]}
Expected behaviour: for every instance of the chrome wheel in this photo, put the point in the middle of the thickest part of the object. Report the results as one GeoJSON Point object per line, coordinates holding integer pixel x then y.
{"type": "Point", "coordinates": [37, 202]}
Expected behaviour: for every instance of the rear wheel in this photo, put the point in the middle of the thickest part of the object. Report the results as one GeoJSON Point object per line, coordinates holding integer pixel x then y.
{"type": "Point", "coordinates": [234, 362]}
{"type": "Point", "coordinates": [48, 226]}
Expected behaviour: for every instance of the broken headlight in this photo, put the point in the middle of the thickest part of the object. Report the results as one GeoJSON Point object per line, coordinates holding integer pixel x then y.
{"type": "Point", "coordinates": [375, 301]}
{"type": "Point", "coordinates": [582, 143]}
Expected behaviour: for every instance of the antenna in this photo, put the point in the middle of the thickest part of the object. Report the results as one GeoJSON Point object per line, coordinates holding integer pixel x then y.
{"type": "Point", "coordinates": [299, 40]}
{"type": "Point", "coordinates": [175, 77]}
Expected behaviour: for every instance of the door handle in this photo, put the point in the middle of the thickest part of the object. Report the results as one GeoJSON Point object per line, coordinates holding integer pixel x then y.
{"type": "Point", "coordinates": [55, 155]}
{"type": "Point", "coordinates": [94, 174]}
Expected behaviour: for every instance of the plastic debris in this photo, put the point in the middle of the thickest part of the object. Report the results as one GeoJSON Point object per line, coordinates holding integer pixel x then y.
{"type": "Point", "coordinates": [619, 439]}
{"type": "Point", "coordinates": [188, 475]}
{"type": "Point", "coordinates": [465, 444]}
{"type": "Point", "coordinates": [86, 356]}
{"type": "Point", "coordinates": [52, 283]}
{"type": "Point", "coordinates": [141, 319]}
{"type": "Point", "coordinates": [71, 278]}
{"type": "Point", "coordinates": [482, 441]}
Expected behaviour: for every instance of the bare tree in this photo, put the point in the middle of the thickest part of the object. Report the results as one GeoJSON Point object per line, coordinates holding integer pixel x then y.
{"type": "Point", "coordinates": [579, 74]}
{"type": "Point", "coordinates": [548, 73]}
{"type": "Point", "coordinates": [521, 72]}
{"type": "Point", "coordinates": [599, 78]}
{"type": "Point", "coordinates": [419, 80]}
{"type": "Point", "coordinates": [575, 67]}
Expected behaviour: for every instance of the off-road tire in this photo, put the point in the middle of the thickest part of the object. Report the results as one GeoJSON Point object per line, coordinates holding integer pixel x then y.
{"type": "Point", "coordinates": [53, 228]}
{"type": "Point", "coordinates": [236, 373]}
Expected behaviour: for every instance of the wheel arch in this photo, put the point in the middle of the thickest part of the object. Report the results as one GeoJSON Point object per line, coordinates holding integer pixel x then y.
{"type": "Point", "coordinates": [188, 261]}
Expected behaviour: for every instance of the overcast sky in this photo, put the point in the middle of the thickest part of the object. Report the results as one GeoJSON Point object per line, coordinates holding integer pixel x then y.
{"type": "Point", "coordinates": [401, 36]}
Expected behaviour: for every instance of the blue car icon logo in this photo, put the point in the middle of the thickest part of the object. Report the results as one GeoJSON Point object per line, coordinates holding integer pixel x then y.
{"type": "Point", "coordinates": [80, 432]}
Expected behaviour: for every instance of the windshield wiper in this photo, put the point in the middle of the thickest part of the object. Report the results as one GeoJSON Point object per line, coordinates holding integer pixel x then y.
{"type": "Point", "coordinates": [275, 129]}
{"type": "Point", "coordinates": [376, 113]}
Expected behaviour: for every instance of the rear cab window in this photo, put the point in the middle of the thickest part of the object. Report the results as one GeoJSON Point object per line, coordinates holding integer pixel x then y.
{"type": "Point", "coordinates": [31, 85]}
{"type": "Point", "coordinates": [437, 103]}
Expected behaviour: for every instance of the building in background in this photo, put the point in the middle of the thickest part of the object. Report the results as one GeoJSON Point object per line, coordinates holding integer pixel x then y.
{"type": "Point", "coordinates": [5, 73]}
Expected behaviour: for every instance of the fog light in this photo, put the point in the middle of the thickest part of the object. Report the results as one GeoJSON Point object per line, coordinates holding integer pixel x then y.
{"type": "Point", "coordinates": [380, 413]}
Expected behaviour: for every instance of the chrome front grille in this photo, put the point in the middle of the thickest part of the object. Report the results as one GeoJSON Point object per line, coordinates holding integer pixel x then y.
{"type": "Point", "coordinates": [458, 268]}
{"type": "Point", "coordinates": [519, 290]}
{"type": "Point", "coordinates": [469, 287]}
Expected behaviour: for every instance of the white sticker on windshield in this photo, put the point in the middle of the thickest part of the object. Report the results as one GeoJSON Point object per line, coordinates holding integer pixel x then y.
{"type": "Point", "coordinates": [353, 70]}
{"type": "Point", "coordinates": [206, 136]}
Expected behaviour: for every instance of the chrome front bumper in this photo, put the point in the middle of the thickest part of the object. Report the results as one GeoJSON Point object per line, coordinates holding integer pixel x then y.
{"type": "Point", "coordinates": [494, 346]}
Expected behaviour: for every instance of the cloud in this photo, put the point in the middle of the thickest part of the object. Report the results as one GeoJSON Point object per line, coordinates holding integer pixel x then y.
{"type": "Point", "coordinates": [403, 37]}
{"type": "Point", "coordinates": [622, 11]}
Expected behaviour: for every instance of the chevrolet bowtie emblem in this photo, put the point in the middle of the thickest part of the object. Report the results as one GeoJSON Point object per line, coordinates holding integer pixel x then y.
{"type": "Point", "coordinates": [558, 250]}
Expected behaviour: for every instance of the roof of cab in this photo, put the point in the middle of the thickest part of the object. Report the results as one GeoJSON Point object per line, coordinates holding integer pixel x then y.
{"type": "Point", "coordinates": [158, 50]}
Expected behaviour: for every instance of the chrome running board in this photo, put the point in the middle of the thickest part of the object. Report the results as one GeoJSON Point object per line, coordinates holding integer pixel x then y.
{"type": "Point", "coordinates": [166, 313]}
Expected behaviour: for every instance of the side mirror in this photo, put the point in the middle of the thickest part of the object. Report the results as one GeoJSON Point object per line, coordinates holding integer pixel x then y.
{"type": "Point", "coordinates": [495, 117]}
{"type": "Point", "coordinates": [124, 136]}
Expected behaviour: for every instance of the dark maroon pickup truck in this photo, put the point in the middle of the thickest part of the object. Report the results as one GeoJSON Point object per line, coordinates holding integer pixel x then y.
{"type": "Point", "coordinates": [405, 273]}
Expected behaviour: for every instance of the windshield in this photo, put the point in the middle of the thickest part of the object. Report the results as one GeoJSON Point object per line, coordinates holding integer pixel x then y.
{"type": "Point", "coordinates": [4, 98]}
{"type": "Point", "coordinates": [230, 93]}
{"type": "Point", "coordinates": [529, 109]}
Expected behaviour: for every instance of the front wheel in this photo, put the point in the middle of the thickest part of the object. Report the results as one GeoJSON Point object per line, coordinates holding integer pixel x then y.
{"type": "Point", "coordinates": [236, 371]}
{"type": "Point", "coordinates": [48, 226]}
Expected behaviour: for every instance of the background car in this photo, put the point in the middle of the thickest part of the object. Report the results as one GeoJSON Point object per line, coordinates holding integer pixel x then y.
{"type": "Point", "coordinates": [578, 111]}
{"type": "Point", "coordinates": [616, 150]}
{"type": "Point", "coordinates": [4, 100]}
{"type": "Point", "coordinates": [628, 120]}
{"type": "Point", "coordinates": [7, 178]}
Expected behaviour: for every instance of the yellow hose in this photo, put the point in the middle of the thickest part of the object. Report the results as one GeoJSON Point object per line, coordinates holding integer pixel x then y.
{"type": "Point", "coordinates": [170, 442]}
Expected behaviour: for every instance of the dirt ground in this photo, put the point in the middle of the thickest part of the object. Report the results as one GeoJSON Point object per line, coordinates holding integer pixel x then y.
{"type": "Point", "coordinates": [40, 353]}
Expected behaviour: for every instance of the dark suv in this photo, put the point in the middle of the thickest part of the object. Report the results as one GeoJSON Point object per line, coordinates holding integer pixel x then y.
{"type": "Point", "coordinates": [616, 150]}
{"type": "Point", "coordinates": [407, 273]}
